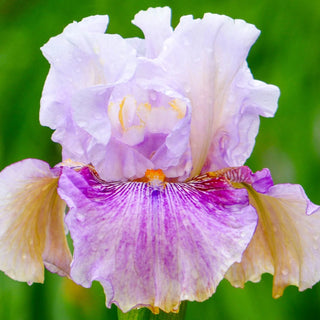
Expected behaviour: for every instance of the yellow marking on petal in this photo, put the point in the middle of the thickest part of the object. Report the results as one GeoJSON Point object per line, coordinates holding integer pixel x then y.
{"type": "Point", "coordinates": [218, 173]}
{"type": "Point", "coordinates": [273, 219]}
{"type": "Point", "coordinates": [121, 113]}
{"type": "Point", "coordinates": [143, 111]}
{"type": "Point", "coordinates": [37, 233]}
{"type": "Point", "coordinates": [71, 164]}
{"type": "Point", "coordinates": [110, 106]}
{"type": "Point", "coordinates": [146, 106]}
{"type": "Point", "coordinates": [180, 108]}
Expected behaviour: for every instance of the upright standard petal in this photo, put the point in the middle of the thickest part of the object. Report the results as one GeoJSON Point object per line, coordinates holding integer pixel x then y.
{"type": "Point", "coordinates": [183, 100]}
{"type": "Point", "coordinates": [206, 60]}
{"type": "Point", "coordinates": [32, 232]}
{"type": "Point", "coordinates": [287, 240]}
{"type": "Point", "coordinates": [85, 66]}
{"type": "Point", "coordinates": [70, 56]}
{"type": "Point", "coordinates": [156, 26]}
{"type": "Point", "coordinates": [155, 243]}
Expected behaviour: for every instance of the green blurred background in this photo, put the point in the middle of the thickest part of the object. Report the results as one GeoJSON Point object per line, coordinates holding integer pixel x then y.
{"type": "Point", "coordinates": [286, 54]}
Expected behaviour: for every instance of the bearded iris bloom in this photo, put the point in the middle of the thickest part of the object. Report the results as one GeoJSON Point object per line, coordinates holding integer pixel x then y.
{"type": "Point", "coordinates": [154, 134]}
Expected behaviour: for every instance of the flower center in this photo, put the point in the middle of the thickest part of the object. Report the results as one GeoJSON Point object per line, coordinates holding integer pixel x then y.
{"type": "Point", "coordinates": [155, 175]}
{"type": "Point", "coordinates": [130, 118]}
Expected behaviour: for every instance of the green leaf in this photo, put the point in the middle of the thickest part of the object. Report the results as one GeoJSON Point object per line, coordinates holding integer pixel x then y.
{"type": "Point", "coordinates": [146, 314]}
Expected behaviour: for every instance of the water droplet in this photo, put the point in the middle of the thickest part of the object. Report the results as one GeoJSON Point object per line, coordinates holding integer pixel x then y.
{"type": "Point", "coordinates": [24, 256]}
{"type": "Point", "coordinates": [80, 217]}
{"type": "Point", "coordinates": [153, 96]}
{"type": "Point", "coordinates": [98, 116]}
{"type": "Point", "coordinates": [315, 247]}
{"type": "Point", "coordinates": [100, 236]}
{"type": "Point", "coordinates": [82, 123]}
{"type": "Point", "coordinates": [316, 238]}
{"type": "Point", "coordinates": [187, 88]}
{"type": "Point", "coordinates": [284, 272]}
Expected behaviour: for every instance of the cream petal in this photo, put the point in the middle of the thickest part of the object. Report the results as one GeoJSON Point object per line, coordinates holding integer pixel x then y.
{"type": "Point", "coordinates": [286, 242]}
{"type": "Point", "coordinates": [31, 222]}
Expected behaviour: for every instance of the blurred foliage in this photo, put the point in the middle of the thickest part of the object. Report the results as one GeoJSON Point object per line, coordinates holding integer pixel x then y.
{"type": "Point", "coordinates": [286, 54]}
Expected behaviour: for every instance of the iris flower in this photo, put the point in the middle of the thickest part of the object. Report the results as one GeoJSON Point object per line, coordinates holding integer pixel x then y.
{"type": "Point", "coordinates": [154, 134]}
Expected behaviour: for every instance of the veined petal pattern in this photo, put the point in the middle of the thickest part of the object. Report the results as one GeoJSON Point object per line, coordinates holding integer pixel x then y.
{"type": "Point", "coordinates": [155, 245]}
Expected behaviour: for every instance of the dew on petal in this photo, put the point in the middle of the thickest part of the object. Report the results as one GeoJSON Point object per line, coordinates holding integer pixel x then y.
{"type": "Point", "coordinates": [80, 217]}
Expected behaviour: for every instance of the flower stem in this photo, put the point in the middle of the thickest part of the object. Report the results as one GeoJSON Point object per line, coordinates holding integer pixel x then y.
{"type": "Point", "coordinates": [146, 314]}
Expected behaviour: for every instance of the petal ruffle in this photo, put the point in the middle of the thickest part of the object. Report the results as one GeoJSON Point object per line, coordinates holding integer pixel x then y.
{"type": "Point", "coordinates": [69, 55]}
{"type": "Point", "coordinates": [32, 232]}
{"type": "Point", "coordinates": [156, 26]}
{"type": "Point", "coordinates": [206, 60]}
{"type": "Point", "coordinates": [287, 240]}
{"type": "Point", "coordinates": [151, 244]}
{"type": "Point", "coordinates": [85, 64]}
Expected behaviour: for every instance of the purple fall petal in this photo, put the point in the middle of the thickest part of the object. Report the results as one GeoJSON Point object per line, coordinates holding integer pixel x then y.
{"type": "Point", "coordinates": [155, 245]}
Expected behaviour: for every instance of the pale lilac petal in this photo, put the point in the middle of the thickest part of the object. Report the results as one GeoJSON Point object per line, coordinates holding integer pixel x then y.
{"type": "Point", "coordinates": [155, 245]}
{"type": "Point", "coordinates": [261, 181]}
{"type": "Point", "coordinates": [68, 67]}
{"type": "Point", "coordinates": [92, 102]}
{"type": "Point", "coordinates": [62, 48]}
{"type": "Point", "coordinates": [153, 122]}
{"type": "Point", "coordinates": [287, 240]}
{"type": "Point", "coordinates": [81, 58]}
{"type": "Point", "coordinates": [156, 26]}
{"type": "Point", "coordinates": [206, 59]}
{"type": "Point", "coordinates": [123, 163]}
{"type": "Point", "coordinates": [103, 89]}
{"type": "Point", "coordinates": [172, 156]}
{"type": "Point", "coordinates": [97, 24]}
{"type": "Point", "coordinates": [31, 222]}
